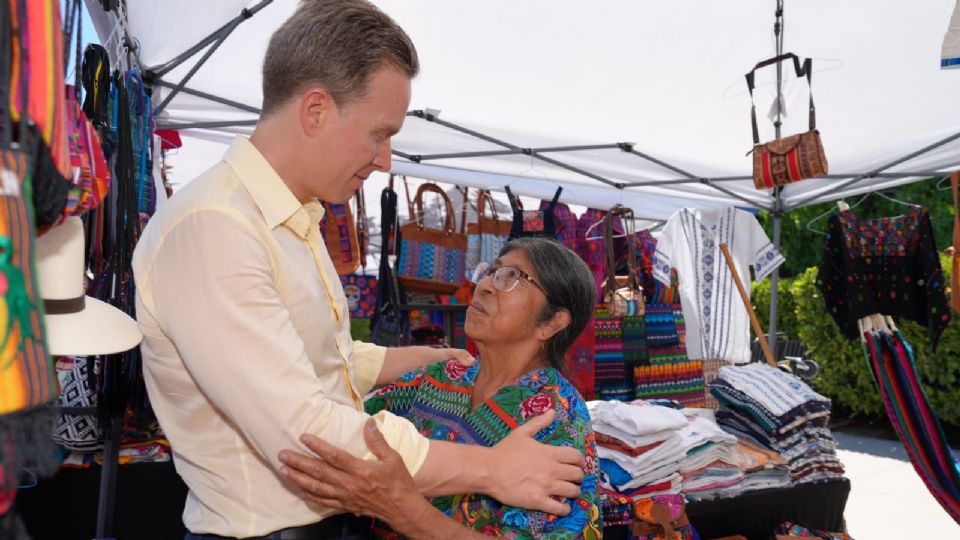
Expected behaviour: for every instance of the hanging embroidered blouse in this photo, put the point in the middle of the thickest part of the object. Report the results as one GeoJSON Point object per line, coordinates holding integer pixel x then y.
{"type": "Point", "coordinates": [888, 265]}
{"type": "Point", "coordinates": [717, 324]}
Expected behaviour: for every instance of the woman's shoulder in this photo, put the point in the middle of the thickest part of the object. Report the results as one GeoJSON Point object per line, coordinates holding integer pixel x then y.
{"type": "Point", "coordinates": [548, 389]}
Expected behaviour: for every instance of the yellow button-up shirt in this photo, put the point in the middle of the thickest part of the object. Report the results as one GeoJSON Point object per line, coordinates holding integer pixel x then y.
{"type": "Point", "coordinates": [247, 346]}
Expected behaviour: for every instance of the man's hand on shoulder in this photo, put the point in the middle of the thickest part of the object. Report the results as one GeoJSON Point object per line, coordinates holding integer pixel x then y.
{"type": "Point", "coordinates": [529, 474]}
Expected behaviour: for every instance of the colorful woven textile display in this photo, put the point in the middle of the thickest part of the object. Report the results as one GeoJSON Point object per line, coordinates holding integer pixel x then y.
{"type": "Point", "coordinates": [892, 361]}
{"type": "Point", "coordinates": [611, 373]}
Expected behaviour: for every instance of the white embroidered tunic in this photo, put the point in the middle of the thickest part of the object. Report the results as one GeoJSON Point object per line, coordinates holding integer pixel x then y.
{"type": "Point", "coordinates": [717, 323]}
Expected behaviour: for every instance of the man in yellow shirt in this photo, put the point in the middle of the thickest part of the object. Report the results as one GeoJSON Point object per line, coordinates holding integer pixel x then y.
{"type": "Point", "coordinates": [246, 334]}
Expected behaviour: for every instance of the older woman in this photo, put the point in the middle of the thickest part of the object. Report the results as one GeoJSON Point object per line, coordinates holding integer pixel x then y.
{"type": "Point", "coordinates": [529, 306]}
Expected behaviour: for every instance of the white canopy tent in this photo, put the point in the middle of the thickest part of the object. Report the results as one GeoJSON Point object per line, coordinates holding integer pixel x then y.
{"type": "Point", "coordinates": [666, 77]}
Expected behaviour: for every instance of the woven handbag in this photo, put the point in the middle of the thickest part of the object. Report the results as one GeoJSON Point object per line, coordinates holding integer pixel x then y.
{"type": "Point", "coordinates": [622, 295]}
{"type": "Point", "coordinates": [431, 260]}
{"type": "Point", "coordinates": [487, 236]}
{"type": "Point", "coordinates": [340, 235]}
{"type": "Point", "coordinates": [790, 159]}
{"type": "Point", "coordinates": [91, 174]}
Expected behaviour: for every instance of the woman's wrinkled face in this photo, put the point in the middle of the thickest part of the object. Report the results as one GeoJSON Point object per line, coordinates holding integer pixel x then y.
{"type": "Point", "coordinates": [501, 317]}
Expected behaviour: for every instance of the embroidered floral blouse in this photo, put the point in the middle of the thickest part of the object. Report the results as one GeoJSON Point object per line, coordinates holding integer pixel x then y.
{"type": "Point", "coordinates": [888, 266]}
{"type": "Point", "coordinates": [437, 400]}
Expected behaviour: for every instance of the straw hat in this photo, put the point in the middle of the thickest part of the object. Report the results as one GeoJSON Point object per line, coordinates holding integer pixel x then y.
{"type": "Point", "coordinates": [76, 324]}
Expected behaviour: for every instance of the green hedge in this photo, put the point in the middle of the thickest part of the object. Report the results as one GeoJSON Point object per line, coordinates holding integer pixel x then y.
{"type": "Point", "coordinates": [845, 374]}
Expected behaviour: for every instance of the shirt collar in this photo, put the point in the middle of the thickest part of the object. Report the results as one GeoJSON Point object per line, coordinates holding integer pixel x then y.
{"type": "Point", "coordinates": [271, 195]}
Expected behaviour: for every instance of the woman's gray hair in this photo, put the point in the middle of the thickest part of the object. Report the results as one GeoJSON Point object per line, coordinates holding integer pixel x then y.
{"type": "Point", "coordinates": [336, 44]}
{"type": "Point", "coordinates": [569, 285]}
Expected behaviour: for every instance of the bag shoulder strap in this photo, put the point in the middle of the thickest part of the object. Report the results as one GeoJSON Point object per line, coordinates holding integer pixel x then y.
{"type": "Point", "coordinates": [626, 216]}
{"type": "Point", "coordinates": [515, 202]}
{"type": "Point", "coordinates": [803, 70]}
{"type": "Point", "coordinates": [448, 225]}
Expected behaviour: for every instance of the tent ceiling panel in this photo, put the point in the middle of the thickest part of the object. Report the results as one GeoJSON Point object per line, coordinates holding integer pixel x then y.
{"type": "Point", "coordinates": [666, 76]}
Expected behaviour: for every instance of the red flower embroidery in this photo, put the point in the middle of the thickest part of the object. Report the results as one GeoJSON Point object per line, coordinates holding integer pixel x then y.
{"type": "Point", "coordinates": [455, 370]}
{"type": "Point", "coordinates": [536, 405]}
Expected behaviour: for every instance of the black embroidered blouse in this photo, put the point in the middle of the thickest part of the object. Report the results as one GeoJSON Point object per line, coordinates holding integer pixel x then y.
{"type": "Point", "coordinates": [889, 266]}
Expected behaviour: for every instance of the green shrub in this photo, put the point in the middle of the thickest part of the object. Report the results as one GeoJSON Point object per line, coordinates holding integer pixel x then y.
{"type": "Point", "coordinates": [845, 373]}
{"type": "Point", "coordinates": [360, 329]}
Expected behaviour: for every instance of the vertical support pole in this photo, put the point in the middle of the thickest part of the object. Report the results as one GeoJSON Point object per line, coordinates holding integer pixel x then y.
{"type": "Point", "coordinates": [778, 203]}
{"type": "Point", "coordinates": [108, 478]}
{"type": "Point", "coordinates": [774, 283]}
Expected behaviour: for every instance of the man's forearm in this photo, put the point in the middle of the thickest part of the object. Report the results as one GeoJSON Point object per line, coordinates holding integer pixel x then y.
{"type": "Point", "coordinates": [400, 360]}
{"type": "Point", "coordinates": [451, 468]}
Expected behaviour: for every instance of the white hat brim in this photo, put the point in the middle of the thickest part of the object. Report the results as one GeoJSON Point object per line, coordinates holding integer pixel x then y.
{"type": "Point", "coordinates": [99, 329]}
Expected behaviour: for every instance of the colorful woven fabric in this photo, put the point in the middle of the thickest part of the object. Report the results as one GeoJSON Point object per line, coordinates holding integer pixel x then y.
{"type": "Point", "coordinates": [580, 362]}
{"type": "Point", "coordinates": [661, 325]}
{"type": "Point", "coordinates": [565, 223]}
{"type": "Point", "coordinates": [681, 382]}
{"type": "Point", "coordinates": [437, 399]}
{"type": "Point", "coordinates": [91, 175]}
{"type": "Point", "coordinates": [612, 375]}
{"type": "Point", "coordinates": [635, 351]}
{"type": "Point", "coordinates": [894, 367]}
{"type": "Point", "coordinates": [616, 509]}
{"type": "Point", "coordinates": [41, 42]}
{"type": "Point", "coordinates": [27, 378]}
{"type": "Point", "coordinates": [423, 260]}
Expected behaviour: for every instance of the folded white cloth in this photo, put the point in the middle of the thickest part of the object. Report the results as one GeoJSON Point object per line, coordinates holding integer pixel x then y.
{"type": "Point", "coordinates": [638, 423]}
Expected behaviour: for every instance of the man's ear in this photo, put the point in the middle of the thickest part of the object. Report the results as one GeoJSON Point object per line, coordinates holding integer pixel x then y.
{"type": "Point", "coordinates": [558, 322]}
{"type": "Point", "coordinates": [317, 107]}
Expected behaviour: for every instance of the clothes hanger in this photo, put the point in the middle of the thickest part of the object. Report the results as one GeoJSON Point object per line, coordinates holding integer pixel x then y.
{"type": "Point", "coordinates": [843, 206]}
{"type": "Point", "coordinates": [590, 229]}
{"type": "Point", "coordinates": [944, 183]}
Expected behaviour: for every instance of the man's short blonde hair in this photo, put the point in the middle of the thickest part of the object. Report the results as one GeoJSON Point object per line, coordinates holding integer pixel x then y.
{"type": "Point", "coordinates": [336, 44]}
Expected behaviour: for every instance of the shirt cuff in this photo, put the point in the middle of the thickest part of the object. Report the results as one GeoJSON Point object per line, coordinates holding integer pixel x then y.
{"type": "Point", "coordinates": [403, 437]}
{"type": "Point", "coordinates": [367, 365]}
{"type": "Point", "coordinates": [766, 261]}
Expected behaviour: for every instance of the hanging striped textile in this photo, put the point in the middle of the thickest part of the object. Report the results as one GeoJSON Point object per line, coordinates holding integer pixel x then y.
{"type": "Point", "coordinates": [893, 364]}
{"type": "Point", "coordinates": [40, 27]}
{"type": "Point", "coordinates": [27, 378]}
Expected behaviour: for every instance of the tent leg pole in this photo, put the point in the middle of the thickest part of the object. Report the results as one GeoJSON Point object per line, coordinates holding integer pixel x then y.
{"type": "Point", "coordinates": [774, 282]}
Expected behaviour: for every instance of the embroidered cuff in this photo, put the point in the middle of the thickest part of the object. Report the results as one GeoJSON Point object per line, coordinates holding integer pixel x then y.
{"type": "Point", "coordinates": [767, 260]}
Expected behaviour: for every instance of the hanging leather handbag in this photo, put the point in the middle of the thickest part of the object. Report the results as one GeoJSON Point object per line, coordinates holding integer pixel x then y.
{"type": "Point", "coordinates": [431, 260]}
{"type": "Point", "coordinates": [790, 159]}
{"type": "Point", "coordinates": [488, 235]}
{"type": "Point", "coordinates": [622, 295]}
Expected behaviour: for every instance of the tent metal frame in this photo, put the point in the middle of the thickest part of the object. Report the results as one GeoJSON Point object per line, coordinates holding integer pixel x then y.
{"type": "Point", "coordinates": [777, 207]}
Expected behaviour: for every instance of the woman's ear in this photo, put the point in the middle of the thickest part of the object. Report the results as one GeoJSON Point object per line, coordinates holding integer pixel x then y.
{"type": "Point", "coordinates": [557, 323]}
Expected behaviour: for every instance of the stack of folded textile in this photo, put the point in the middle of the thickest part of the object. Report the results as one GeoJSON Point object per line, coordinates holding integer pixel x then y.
{"type": "Point", "coordinates": [763, 468]}
{"type": "Point", "coordinates": [639, 447]}
{"type": "Point", "coordinates": [779, 411]}
{"type": "Point", "coordinates": [648, 449]}
{"type": "Point", "coordinates": [711, 467]}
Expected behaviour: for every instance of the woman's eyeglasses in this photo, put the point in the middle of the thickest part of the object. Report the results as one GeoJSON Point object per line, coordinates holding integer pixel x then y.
{"type": "Point", "coordinates": [505, 278]}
